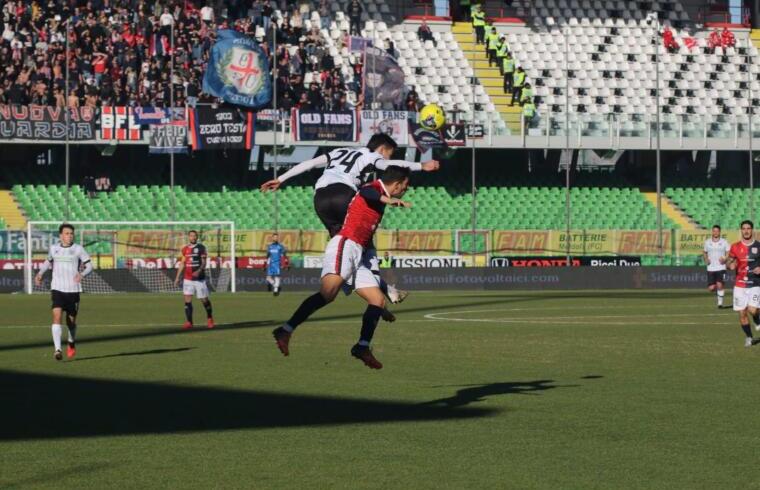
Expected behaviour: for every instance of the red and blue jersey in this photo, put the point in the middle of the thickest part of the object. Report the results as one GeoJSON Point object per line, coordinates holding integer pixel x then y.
{"type": "Point", "coordinates": [192, 256]}
{"type": "Point", "coordinates": [747, 257]}
{"type": "Point", "coordinates": [364, 214]}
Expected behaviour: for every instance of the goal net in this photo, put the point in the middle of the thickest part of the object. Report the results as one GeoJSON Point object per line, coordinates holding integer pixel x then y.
{"type": "Point", "coordinates": [135, 256]}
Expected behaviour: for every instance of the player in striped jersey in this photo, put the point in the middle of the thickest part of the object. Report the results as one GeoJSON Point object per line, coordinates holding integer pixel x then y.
{"type": "Point", "coordinates": [191, 267]}
{"type": "Point", "coordinates": [70, 263]}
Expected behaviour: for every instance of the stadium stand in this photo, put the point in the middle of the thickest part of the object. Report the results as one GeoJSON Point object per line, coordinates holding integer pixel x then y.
{"type": "Point", "coordinates": [612, 49]}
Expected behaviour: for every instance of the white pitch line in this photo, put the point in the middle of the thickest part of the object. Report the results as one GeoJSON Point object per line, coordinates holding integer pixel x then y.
{"type": "Point", "coordinates": [201, 327]}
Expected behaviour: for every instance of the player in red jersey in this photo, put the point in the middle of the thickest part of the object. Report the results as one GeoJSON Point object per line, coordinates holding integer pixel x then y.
{"type": "Point", "coordinates": [744, 259]}
{"type": "Point", "coordinates": [192, 267]}
{"type": "Point", "coordinates": [343, 262]}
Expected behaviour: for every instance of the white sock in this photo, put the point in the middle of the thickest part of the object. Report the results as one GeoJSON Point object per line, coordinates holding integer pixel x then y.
{"type": "Point", "coordinates": [287, 328]}
{"type": "Point", "coordinates": [57, 336]}
{"type": "Point", "coordinates": [364, 343]}
{"type": "Point", "coordinates": [720, 297]}
{"type": "Point", "coordinates": [72, 334]}
{"type": "Point", "coordinates": [277, 283]}
{"type": "Point", "coordinates": [270, 280]}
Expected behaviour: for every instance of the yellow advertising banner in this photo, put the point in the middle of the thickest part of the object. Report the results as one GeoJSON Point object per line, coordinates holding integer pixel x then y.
{"type": "Point", "coordinates": [423, 241]}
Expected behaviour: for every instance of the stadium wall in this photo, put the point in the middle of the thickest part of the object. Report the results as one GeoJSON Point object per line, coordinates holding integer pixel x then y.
{"type": "Point", "coordinates": [468, 279]}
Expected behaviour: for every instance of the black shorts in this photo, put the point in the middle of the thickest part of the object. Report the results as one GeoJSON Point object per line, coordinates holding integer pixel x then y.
{"type": "Point", "coordinates": [68, 302]}
{"type": "Point", "coordinates": [715, 277]}
{"type": "Point", "coordinates": [331, 204]}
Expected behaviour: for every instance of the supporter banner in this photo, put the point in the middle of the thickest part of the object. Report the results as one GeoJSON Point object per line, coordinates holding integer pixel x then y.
{"type": "Point", "coordinates": [238, 71]}
{"type": "Point", "coordinates": [168, 138]}
{"type": "Point", "coordinates": [145, 116]}
{"type": "Point", "coordinates": [329, 126]}
{"type": "Point", "coordinates": [475, 131]}
{"type": "Point", "coordinates": [429, 261]}
{"type": "Point", "coordinates": [538, 261]}
{"type": "Point", "coordinates": [359, 44]}
{"type": "Point", "coordinates": [426, 139]}
{"type": "Point", "coordinates": [44, 123]}
{"type": "Point", "coordinates": [118, 123]}
{"type": "Point", "coordinates": [222, 128]}
{"type": "Point", "coordinates": [383, 78]}
{"type": "Point", "coordinates": [392, 123]}
{"type": "Point", "coordinates": [454, 135]}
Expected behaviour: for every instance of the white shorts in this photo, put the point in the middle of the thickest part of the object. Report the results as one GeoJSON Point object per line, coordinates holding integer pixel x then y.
{"type": "Point", "coordinates": [198, 288]}
{"type": "Point", "coordinates": [345, 258]}
{"type": "Point", "coordinates": [744, 297]}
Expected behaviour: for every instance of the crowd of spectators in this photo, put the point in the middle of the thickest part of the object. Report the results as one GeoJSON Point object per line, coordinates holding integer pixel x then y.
{"type": "Point", "coordinates": [120, 50]}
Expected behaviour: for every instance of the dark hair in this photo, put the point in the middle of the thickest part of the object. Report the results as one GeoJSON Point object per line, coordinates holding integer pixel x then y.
{"type": "Point", "coordinates": [192, 231]}
{"type": "Point", "coordinates": [395, 173]}
{"type": "Point", "coordinates": [64, 226]}
{"type": "Point", "coordinates": [716, 226]}
{"type": "Point", "coordinates": [381, 139]}
{"type": "Point", "coordinates": [747, 222]}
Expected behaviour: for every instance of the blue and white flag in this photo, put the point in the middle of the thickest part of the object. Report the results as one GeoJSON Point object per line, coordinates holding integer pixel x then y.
{"type": "Point", "coordinates": [238, 71]}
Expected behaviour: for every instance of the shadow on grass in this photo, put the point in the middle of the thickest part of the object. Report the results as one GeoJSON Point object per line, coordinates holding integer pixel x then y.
{"type": "Point", "coordinates": [166, 331]}
{"type": "Point", "coordinates": [91, 407]}
{"type": "Point", "coordinates": [139, 353]}
{"type": "Point", "coordinates": [478, 393]}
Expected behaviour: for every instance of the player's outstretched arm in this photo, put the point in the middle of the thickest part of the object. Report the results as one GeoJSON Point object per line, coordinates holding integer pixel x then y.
{"type": "Point", "coordinates": [274, 184]}
{"type": "Point", "coordinates": [392, 201]}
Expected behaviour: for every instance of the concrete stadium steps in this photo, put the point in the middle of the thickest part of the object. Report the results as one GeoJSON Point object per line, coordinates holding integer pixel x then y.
{"type": "Point", "coordinates": [672, 211]}
{"type": "Point", "coordinates": [11, 212]}
{"type": "Point", "coordinates": [489, 77]}
{"type": "Point", "coordinates": [755, 37]}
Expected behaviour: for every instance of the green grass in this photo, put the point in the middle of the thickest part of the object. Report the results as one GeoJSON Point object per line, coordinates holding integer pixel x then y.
{"type": "Point", "coordinates": [495, 390]}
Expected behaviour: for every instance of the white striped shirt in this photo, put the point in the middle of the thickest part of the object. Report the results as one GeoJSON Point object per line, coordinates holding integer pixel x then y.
{"type": "Point", "coordinates": [66, 263]}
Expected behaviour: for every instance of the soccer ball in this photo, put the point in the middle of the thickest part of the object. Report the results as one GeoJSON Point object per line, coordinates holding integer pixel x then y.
{"type": "Point", "coordinates": [432, 117]}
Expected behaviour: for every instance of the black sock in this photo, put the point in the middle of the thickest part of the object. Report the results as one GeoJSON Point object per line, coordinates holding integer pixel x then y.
{"type": "Point", "coordinates": [309, 306]}
{"type": "Point", "coordinates": [189, 312]}
{"type": "Point", "coordinates": [369, 323]}
{"type": "Point", "coordinates": [747, 331]}
{"type": "Point", "coordinates": [756, 317]}
{"type": "Point", "coordinates": [207, 305]}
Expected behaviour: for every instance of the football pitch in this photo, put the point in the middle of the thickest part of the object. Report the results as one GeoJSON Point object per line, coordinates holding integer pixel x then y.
{"type": "Point", "coordinates": [595, 389]}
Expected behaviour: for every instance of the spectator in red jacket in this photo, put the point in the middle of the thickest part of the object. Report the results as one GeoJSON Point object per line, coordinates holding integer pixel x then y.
{"type": "Point", "coordinates": [714, 41]}
{"type": "Point", "coordinates": [727, 38]}
{"type": "Point", "coordinates": [669, 40]}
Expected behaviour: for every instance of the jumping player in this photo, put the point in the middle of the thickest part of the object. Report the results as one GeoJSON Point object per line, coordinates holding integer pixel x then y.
{"type": "Point", "coordinates": [715, 254]}
{"type": "Point", "coordinates": [343, 260]}
{"type": "Point", "coordinates": [347, 169]}
{"type": "Point", "coordinates": [191, 265]}
{"type": "Point", "coordinates": [275, 254]}
{"type": "Point", "coordinates": [743, 258]}
{"type": "Point", "coordinates": [67, 260]}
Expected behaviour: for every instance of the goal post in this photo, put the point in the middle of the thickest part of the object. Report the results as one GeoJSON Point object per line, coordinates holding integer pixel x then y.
{"type": "Point", "coordinates": [135, 256]}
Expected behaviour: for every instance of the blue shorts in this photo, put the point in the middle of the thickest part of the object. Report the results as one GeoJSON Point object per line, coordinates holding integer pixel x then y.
{"type": "Point", "coordinates": [273, 271]}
